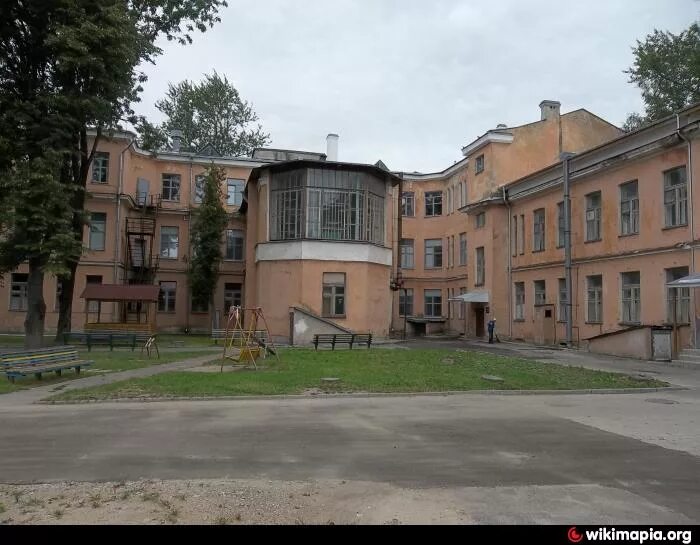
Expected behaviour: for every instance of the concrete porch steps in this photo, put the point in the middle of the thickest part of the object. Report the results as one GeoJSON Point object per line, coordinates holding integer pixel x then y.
{"type": "Point", "coordinates": [689, 357]}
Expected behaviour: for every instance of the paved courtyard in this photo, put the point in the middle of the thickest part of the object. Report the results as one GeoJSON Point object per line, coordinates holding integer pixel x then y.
{"type": "Point", "coordinates": [579, 459]}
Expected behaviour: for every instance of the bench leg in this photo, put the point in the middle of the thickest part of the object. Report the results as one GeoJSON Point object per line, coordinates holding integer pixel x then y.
{"type": "Point", "coordinates": [333, 344]}
{"type": "Point", "coordinates": [77, 370]}
{"type": "Point", "coordinates": [37, 376]}
{"type": "Point", "coordinates": [58, 372]}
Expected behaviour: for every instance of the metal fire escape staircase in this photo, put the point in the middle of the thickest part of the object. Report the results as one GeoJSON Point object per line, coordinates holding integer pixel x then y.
{"type": "Point", "coordinates": [142, 258]}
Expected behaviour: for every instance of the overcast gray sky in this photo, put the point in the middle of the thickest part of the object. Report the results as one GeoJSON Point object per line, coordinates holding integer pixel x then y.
{"type": "Point", "coordinates": [412, 81]}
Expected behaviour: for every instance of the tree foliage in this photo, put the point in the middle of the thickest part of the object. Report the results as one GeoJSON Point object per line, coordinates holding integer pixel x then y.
{"type": "Point", "coordinates": [210, 112]}
{"type": "Point", "coordinates": [667, 70]}
{"type": "Point", "coordinates": [66, 66]}
{"type": "Point", "coordinates": [208, 224]}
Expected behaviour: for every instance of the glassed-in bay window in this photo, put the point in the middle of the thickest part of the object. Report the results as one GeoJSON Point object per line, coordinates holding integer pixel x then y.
{"type": "Point", "coordinates": [327, 205]}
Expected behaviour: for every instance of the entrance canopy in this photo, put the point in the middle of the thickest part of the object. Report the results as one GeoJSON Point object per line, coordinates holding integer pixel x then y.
{"type": "Point", "coordinates": [120, 292]}
{"type": "Point", "coordinates": [472, 297]}
{"type": "Point", "coordinates": [690, 281]}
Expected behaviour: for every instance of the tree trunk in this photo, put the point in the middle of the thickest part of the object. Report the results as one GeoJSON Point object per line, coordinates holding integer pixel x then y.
{"type": "Point", "coordinates": [76, 169]}
{"type": "Point", "coordinates": [65, 302]}
{"type": "Point", "coordinates": [36, 307]}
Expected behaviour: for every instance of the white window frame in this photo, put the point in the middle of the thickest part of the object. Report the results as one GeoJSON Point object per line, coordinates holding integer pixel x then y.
{"type": "Point", "coordinates": [594, 299]}
{"type": "Point", "coordinates": [169, 249]}
{"type": "Point", "coordinates": [629, 208]}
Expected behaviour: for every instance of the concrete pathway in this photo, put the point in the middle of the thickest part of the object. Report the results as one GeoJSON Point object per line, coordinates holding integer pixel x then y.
{"type": "Point", "coordinates": [32, 395]}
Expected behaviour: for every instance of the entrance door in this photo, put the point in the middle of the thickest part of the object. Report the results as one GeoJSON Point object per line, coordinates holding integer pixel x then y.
{"type": "Point", "coordinates": [479, 321]}
{"type": "Point", "coordinates": [141, 191]}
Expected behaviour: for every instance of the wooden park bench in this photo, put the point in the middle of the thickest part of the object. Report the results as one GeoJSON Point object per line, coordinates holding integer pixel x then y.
{"type": "Point", "coordinates": [217, 334]}
{"type": "Point", "coordinates": [107, 338]}
{"type": "Point", "coordinates": [41, 360]}
{"type": "Point", "coordinates": [343, 338]}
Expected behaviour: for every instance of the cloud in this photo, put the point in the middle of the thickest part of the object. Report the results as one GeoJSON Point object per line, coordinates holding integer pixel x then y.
{"type": "Point", "coordinates": [410, 81]}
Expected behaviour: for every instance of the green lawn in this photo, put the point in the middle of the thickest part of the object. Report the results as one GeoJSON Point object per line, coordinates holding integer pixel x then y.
{"type": "Point", "coordinates": [118, 360]}
{"type": "Point", "coordinates": [377, 370]}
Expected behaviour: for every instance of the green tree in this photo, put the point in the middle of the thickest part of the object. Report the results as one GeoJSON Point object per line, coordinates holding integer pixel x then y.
{"type": "Point", "coordinates": [210, 112]}
{"type": "Point", "coordinates": [66, 66]}
{"type": "Point", "coordinates": [208, 224]}
{"type": "Point", "coordinates": [667, 70]}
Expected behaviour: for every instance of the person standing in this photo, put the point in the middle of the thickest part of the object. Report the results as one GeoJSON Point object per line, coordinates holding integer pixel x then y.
{"type": "Point", "coordinates": [491, 328]}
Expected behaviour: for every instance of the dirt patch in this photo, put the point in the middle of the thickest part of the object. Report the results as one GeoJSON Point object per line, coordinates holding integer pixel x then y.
{"type": "Point", "coordinates": [198, 502]}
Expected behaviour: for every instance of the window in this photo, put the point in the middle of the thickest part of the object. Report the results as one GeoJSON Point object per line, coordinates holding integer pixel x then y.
{"type": "Point", "coordinates": [171, 187]}
{"type": "Point", "coordinates": [677, 299]}
{"type": "Point", "coordinates": [18, 291]}
{"type": "Point", "coordinates": [449, 200]}
{"type": "Point", "coordinates": [433, 203]}
{"type": "Point", "coordinates": [480, 220]}
{"type": "Point", "coordinates": [98, 226]}
{"type": "Point", "coordinates": [333, 295]}
{"type": "Point", "coordinates": [514, 237]}
{"type": "Point", "coordinates": [433, 303]}
{"type": "Point", "coordinates": [327, 204]}
{"type": "Point", "coordinates": [169, 237]}
{"type": "Point", "coordinates": [594, 299]}
{"type": "Point", "coordinates": [406, 302]}
{"type": "Point", "coordinates": [234, 244]}
{"type": "Point", "coordinates": [538, 220]}
{"type": "Point", "coordinates": [450, 251]}
{"type": "Point", "coordinates": [166, 296]}
{"type": "Point", "coordinates": [563, 301]}
{"type": "Point", "coordinates": [463, 249]}
{"type": "Point", "coordinates": [676, 197]}
{"type": "Point", "coordinates": [479, 164]}
{"type": "Point", "coordinates": [629, 208]}
{"type": "Point", "coordinates": [460, 311]}
{"type": "Point", "coordinates": [540, 292]}
{"type": "Point", "coordinates": [59, 293]}
{"type": "Point", "coordinates": [631, 298]}
{"type": "Point", "coordinates": [521, 235]}
{"type": "Point", "coordinates": [433, 253]}
{"type": "Point", "coordinates": [100, 167]}
{"type": "Point", "coordinates": [94, 307]}
{"type": "Point", "coordinates": [463, 192]}
{"type": "Point", "coordinates": [233, 296]}
{"type": "Point", "coordinates": [561, 223]}
{"type": "Point", "coordinates": [234, 192]}
{"type": "Point", "coordinates": [593, 216]}
{"type": "Point", "coordinates": [519, 301]}
{"type": "Point", "coordinates": [199, 182]}
{"type": "Point", "coordinates": [407, 253]}
{"type": "Point", "coordinates": [407, 204]}
{"type": "Point", "coordinates": [480, 267]}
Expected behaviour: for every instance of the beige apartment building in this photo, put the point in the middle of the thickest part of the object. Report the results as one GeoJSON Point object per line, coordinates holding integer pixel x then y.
{"type": "Point", "coordinates": [319, 244]}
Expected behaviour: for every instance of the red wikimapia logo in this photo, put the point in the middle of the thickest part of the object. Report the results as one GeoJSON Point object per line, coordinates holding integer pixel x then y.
{"type": "Point", "coordinates": [573, 535]}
